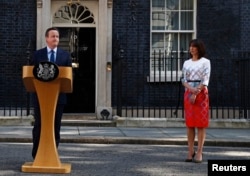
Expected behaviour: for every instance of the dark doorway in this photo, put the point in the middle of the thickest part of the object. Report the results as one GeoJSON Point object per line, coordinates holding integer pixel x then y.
{"type": "Point", "coordinates": [80, 42]}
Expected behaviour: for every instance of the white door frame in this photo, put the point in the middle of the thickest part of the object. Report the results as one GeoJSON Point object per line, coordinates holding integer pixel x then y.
{"type": "Point", "coordinates": [103, 18]}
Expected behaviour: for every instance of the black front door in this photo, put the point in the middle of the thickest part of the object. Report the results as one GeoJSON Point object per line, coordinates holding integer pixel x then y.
{"type": "Point", "coordinates": [81, 45]}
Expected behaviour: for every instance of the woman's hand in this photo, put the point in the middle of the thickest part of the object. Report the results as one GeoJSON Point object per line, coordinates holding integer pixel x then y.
{"type": "Point", "coordinates": [195, 90]}
{"type": "Point", "coordinates": [192, 98]}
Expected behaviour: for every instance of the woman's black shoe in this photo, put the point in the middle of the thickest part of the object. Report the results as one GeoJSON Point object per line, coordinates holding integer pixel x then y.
{"type": "Point", "coordinates": [190, 160]}
{"type": "Point", "coordinates": [198, 161]}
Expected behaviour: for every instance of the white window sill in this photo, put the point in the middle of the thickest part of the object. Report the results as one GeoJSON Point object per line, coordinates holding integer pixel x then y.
{"type": "Point", "coordinates": [164, 77]}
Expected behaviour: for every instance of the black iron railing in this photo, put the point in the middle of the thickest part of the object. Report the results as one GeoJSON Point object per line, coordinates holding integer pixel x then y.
{"type": "Point", "coordinates": [155, 90]}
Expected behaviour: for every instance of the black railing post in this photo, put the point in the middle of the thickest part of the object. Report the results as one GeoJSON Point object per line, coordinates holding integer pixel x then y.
{"type": "Point", "coordinates": [28, 63]}
{"type": "Point", "coordinates": [119, 82]}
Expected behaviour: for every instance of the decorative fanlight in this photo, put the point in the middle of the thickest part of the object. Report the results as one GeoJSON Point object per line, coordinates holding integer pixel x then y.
{"type": "Point", "coordinates": [74, 13]}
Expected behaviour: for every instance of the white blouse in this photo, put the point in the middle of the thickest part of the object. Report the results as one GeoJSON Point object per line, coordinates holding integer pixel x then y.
{"type": "Point", "coordinates": [196, 70]}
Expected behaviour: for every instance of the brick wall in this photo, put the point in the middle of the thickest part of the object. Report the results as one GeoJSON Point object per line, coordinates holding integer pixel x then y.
{"type": "Point", "coordinates": [131, 31]}
{"type": "Point", "coordinates": [18, 29]}
{"type": "Point", "coordinates": [245, 25]}
{"type": "Point", "coordinates": [218, 24]}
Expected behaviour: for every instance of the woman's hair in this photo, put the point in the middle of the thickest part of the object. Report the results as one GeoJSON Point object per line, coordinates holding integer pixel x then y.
{"type": "Point", "coordinates": [199, 45]}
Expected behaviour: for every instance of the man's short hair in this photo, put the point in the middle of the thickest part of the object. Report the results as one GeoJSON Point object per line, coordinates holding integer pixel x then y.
{"type": "Point", "coordinates": [50, 29]}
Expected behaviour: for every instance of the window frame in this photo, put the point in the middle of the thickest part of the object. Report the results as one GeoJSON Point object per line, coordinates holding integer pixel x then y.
{"type": "Point", "coordinates": [169, 75]}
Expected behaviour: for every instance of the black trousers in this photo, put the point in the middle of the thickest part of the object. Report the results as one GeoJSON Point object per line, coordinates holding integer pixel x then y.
{"type": "Point", "coordinates": [37, 127]}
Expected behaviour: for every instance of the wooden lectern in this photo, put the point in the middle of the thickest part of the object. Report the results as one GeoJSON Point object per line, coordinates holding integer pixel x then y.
{"type": "Point", "coordinates": [47, 159]}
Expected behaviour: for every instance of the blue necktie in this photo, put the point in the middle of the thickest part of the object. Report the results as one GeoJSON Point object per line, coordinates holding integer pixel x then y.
{"type": "Point", "coordinates": [52, 57]}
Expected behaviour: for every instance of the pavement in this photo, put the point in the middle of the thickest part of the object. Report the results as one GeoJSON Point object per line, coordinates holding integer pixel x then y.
{"type": "Point", "coordinates": [231, 137]}
{"type": "Point", "coordinates": [100, 149]}
{"type": "Point", "coordinates": [122, 159]}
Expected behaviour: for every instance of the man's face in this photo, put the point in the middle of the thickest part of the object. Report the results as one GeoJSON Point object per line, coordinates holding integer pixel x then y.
{"type": "Point", "coordinates": [52, 39]}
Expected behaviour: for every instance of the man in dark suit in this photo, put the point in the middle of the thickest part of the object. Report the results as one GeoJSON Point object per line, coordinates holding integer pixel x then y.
{"type": "Point", "coordinates": [61, 58]}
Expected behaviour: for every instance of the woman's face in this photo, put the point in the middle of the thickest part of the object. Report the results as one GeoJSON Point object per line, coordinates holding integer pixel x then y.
{"type": "Point", "coordinates": [193, 50]}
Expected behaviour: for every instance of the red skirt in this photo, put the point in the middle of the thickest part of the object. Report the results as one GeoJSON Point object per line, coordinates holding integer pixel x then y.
{"type": "Point", "coordinates": [197, 114]}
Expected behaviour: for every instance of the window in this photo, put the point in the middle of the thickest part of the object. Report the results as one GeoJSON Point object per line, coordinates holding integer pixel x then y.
{"type": "Point", "coordinates": [173, 25]}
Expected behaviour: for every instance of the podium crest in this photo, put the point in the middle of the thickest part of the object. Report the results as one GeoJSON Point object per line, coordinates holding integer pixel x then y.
{"type": "Point", "coordinates": [45, 71]}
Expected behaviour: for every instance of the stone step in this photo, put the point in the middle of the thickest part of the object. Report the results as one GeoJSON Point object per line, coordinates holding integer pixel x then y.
{"type": "Point", "coordinates": [85, 120]}
{"type": "Point", "coordinates": [89, 116]}
{"type": "Point", "coordinates": [99, 123]}
{"type": "Point", "coordinates": [67, 120]}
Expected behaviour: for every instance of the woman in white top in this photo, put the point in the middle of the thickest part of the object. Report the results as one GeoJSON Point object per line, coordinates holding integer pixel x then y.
{"type": "Point", "coordinates": [196, 74]}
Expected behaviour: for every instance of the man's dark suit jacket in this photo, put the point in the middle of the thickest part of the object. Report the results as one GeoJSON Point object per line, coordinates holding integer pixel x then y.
{"type": "Point", "coordinates": [62, 59]}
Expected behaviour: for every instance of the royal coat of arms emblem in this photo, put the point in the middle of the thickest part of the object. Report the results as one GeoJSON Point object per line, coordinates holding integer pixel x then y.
{"type": "Point", "coordinates": [46, 71]}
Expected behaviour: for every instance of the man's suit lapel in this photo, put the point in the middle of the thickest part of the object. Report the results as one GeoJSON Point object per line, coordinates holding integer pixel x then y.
{"type": "Point", "coordinates": [58, 55]}
{"type": "Point", "coordinates": [44, 55]}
